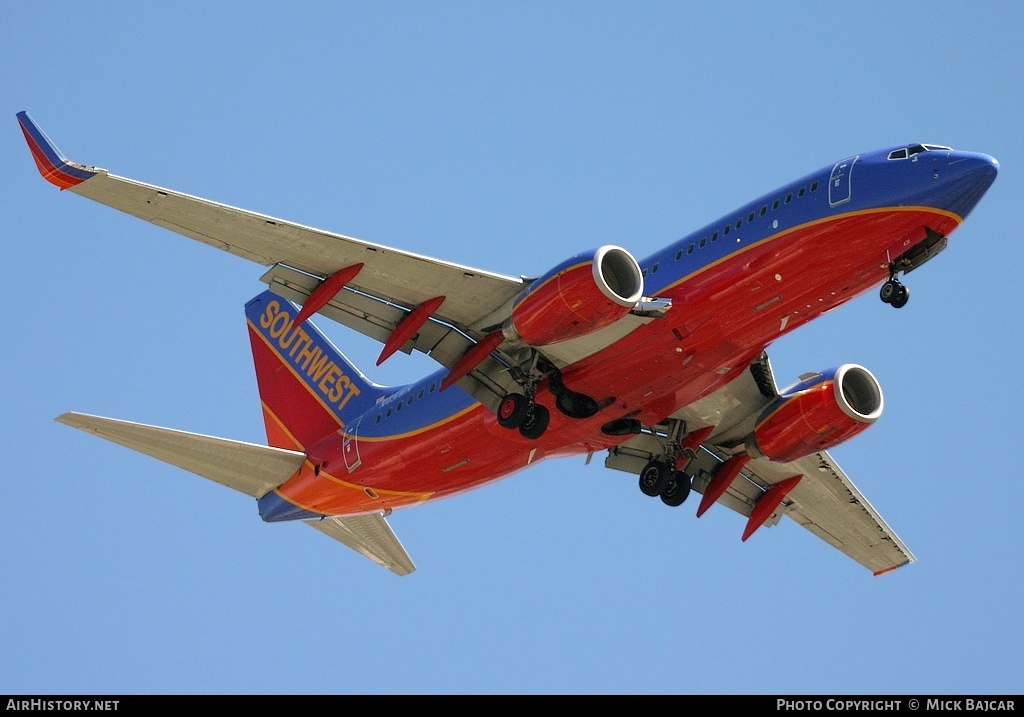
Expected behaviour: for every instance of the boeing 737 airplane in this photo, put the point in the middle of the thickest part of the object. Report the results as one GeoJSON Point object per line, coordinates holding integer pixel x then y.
{"type": "Point", "coordinates": [659, 363]}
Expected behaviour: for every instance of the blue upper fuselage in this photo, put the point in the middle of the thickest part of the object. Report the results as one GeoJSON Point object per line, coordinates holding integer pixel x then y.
{"type": "Point", "coordinates": [902, 176]}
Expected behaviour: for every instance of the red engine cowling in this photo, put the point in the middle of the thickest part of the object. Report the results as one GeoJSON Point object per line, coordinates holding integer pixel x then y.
{"type": "Point", "coordinates": [579, 296]}
{"type": "Point", "coordinates": [817, 414]}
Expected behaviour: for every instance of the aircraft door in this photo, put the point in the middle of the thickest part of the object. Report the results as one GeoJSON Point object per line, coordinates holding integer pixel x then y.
{"type": "Point", "coordinates": [350, 446]}
{"type": "Point", "coordinates": [839, 188]}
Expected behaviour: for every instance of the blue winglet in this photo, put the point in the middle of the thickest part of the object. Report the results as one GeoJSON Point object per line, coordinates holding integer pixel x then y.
{"type": "Point", "coordinates": [54, 167]}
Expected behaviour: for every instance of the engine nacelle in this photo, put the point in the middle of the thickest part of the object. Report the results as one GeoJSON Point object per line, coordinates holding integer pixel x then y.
{"type": "Point", "coordinates": [816, 414]}
{"type": "Point", "coordinates": [579, 296]}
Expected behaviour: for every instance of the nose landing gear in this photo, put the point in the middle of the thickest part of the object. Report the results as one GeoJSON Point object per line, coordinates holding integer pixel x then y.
{"type": "Point", "coordinates": [894, 293]}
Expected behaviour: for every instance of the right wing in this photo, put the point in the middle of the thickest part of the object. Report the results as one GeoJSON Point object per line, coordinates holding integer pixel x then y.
{"type": "Point", "coordinates": [390, 283]}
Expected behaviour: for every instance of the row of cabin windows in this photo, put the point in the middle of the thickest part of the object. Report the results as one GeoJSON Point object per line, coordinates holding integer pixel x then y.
{"type": "Point", "coordinates": [739, 222]}
{"type": "Point", "coordinates": [408, 400]}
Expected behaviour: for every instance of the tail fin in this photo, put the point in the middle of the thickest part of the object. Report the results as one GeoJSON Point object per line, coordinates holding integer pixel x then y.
{"type": "Point", "coordinates": [307, 387]}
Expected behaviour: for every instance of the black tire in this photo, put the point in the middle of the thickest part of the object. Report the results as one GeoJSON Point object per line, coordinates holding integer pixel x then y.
{"type": "Point", "coordinates": [512, 410]}
{"type": "Point", "coordinates": [676, 490]}
{"type": "Point", "coordinates": [902, 296]}
{"type": "Point", "coordinates": [535, 422]}
{"type": "Point", "coordinates": [653, 478]}
{"type": "Point", "coordinates": [888, 292]}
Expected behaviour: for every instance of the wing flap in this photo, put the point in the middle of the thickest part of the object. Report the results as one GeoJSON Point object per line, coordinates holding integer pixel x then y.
{"type": "Point", "coordinates": [246, 467]}
{"type": "Point", "coordinates": [371, 536]}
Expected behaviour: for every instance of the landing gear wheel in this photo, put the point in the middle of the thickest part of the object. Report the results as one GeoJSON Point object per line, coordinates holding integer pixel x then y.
{"type": "Point", "coordinates": [676, 489]}
{"type": "Point", "coordinates": [653, 478]}
{"type": "Point", "coordinates": [512, 410]}
{"type": "Point", "coordinates": [889, 290]}
{"type": "Point", "coordinates": [900, 299]}
{"type": "Point", "coordinates": [535, 422]}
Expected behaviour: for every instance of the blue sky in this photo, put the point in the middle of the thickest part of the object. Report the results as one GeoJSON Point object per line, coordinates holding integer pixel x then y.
{"type": "Point", "coordinates": [505, 136]}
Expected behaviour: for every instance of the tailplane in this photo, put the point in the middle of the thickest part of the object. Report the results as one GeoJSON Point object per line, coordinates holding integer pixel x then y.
{"type": "Point", "coordinates": [307, 387]}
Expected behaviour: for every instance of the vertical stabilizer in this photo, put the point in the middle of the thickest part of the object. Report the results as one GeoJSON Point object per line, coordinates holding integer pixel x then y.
{"type": "Point", "coordinates": [307, 387]}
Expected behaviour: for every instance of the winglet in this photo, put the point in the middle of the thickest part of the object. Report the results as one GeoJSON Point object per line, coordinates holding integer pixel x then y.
{"type": "Point", "coordinates": [54, 167]}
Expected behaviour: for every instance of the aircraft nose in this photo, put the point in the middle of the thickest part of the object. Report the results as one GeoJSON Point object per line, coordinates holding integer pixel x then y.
{"type": "Point", "coordinates": [967, 176]}
{"type": "Point", "coordinates": [980, 168]}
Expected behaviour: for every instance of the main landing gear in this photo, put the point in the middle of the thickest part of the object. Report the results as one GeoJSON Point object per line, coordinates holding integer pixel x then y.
{"type": "Point", "coordinates": [894, 293]}
{"type": "Point", "coordinates": [666, 475]}
{"type": "Point", "coordinates": [520, 409]}
{"type": "Point", "coordinates": [517, 411]}
{"type": "Point", "coordinates": [658, 478]}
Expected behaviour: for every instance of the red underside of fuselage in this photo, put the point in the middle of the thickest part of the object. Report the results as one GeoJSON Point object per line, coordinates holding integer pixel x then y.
{"type": "Point", "coordinates": [722, 317]}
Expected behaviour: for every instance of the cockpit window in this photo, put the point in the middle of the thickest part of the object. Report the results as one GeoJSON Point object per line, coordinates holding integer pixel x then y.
{"type": "Point", "coordinates": [911, 150]}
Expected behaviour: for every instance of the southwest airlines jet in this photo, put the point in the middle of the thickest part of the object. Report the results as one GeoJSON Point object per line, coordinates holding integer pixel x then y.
{"type": "Point", "coordinates": [657, 363]}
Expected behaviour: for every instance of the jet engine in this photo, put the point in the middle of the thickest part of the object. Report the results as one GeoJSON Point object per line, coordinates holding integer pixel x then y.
{"type": "Point", "coordinates": [816, 414]}
{"type": "Point", "coordinates": [579, 296]}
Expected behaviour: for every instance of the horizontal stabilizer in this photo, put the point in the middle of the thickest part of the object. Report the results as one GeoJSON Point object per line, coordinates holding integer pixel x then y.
{"type": "Point", "coordinates": [370, 535]}
{"type": "Point", "coordinates": [246, 467]}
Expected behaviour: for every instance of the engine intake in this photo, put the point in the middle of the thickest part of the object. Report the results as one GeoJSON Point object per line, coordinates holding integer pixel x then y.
{"type": "Point", "coordinates": [579, 296]}
{"type": "Point", "coordinates": [816, 414]}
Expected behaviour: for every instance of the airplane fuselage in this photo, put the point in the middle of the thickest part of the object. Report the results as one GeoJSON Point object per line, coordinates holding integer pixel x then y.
{"type": "Point", "coordinates": [736, 286]}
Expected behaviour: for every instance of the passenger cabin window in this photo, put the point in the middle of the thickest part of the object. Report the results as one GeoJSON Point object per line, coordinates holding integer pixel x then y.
{"type": "Point", "coordinates": [703, 241]}
{"type": "Point", "coordinates": [801, 192]}
{"type": "Point", "coordinates": [689, 249]}
{"type": "Point", "coordinates": [789, 198]}
{"type": "Point", "coordinates": [654, 268]}
{"type": "Point", "coordinates": [775, 205]}
{"type": "Point", "coordinates": [725, 230]}
{"type": "Point", "coordinates": [679, 254]}
{"type": "Point", "coordinates": [814, 186]}
{"type": "Point", "coordinates": [714, 236]}
{"type": "Point", "coordinates": [750, 217]}
{"type": "Point", "coordinates": [764, 210]}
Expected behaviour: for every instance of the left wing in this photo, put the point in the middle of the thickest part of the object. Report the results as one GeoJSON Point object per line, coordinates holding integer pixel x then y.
{"type": "Point", "coordinates": [824, 501]}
